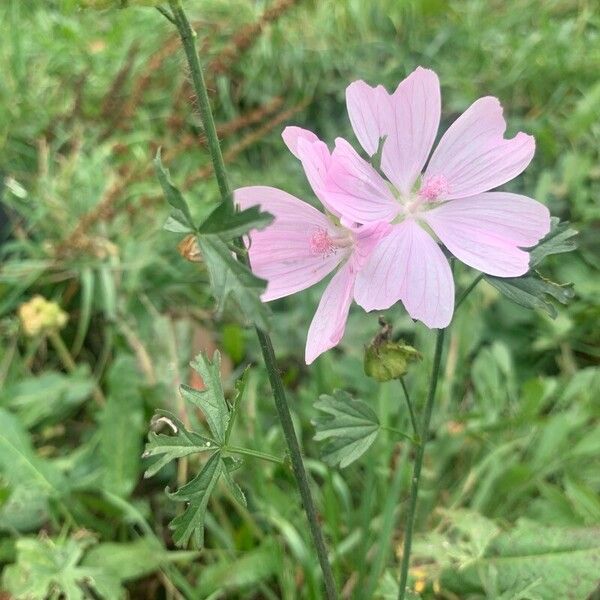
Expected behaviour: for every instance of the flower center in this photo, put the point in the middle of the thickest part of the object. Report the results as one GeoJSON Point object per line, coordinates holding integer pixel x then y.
{"type": "Point", "coordinates": [433, 187]}
{"type": "Point", "coordinates": [322, 243]}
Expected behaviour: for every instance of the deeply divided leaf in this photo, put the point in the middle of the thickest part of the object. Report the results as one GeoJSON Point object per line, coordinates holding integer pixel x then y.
{"type": "Point", "coordinates": [181, 215]}
{"type": "Point", "coordinates": [349, 425]}
{"type": "Point", "coordinates": [211, 400]}
{"type": "Point", "coordinates": [532, 290]}
{"type": "Point", "coordinates": [229, 224]}
{"type": "Point", "coordinates": [230, 278]}
{"type": "Point", "coordinates": [190, 524]}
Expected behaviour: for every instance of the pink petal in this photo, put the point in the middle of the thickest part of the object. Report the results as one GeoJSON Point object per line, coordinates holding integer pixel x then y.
{"type": "Point", "coordinates": [474, 157]}
{"type": "Point", "coordinates": [366, 238]}
{"type": "Point", "coordinates": [282, 253]}
{"type": "Point", "coordinates": [408, 265]}
{"type": "Point", "coordinates": [411, 126]}
{"type": "Point", "coordinates": [328, 324]}
{"type": "Point", "coordinates": [355, 189]}
{"type": "Point", "coordinates": [292, 134]}
{"type": "Point", "coordinates": [314, 156]}
{"type": "Point", "coordinates": [486, 231]}
{"type": "Point", "coordinates": [409, 118]}
{"type": "Point", "coordinates": [368, 109]}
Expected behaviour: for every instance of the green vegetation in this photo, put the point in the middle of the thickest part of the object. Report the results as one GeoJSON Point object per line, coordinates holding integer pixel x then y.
{"type": "Point", "coordinates": [509, 506]}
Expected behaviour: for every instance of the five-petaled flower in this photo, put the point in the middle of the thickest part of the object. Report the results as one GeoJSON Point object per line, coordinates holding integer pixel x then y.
{"type": "Point", "coordinates": [304, 245]}
{"type": "Point", "coordinates": [450, 199]}
{"type": "Point", "coordinates": [383, 234]}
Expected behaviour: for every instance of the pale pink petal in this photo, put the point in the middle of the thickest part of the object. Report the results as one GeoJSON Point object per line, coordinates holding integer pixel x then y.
{"type": "Point", "coordinates": [292, 134]}
{"type": "Point", "coordinates": [316, 158]}
{"type": "Point", "coordinates": [473, 156]}
{"type": "Point", "coordinates": [368, 108]}
{"type": "Point", "coordinates": [355, 189]}
{"type": "Point", "coordinates": [328, 324]}
{"type": "Point", "coordinates": [411, 127]}
{"type": "Point", "coordinates": [408, 265]}
{"type": "Point", "coordinates": [284, 252]}
{"type": "Point", "coordinates": [366, 238]}
{"type": "Point", "coordinates": [486, 231]}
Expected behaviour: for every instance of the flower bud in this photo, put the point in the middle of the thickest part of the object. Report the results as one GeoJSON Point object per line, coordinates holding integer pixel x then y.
{"type": "Point", "coordinates": [385, 359]}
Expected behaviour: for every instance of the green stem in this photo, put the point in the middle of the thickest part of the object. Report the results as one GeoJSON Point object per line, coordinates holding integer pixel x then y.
{"type": "Point", "coordinates": [411, 410]}
{"type": "Point", "coordinates": [188, 38]}
{"type": "Point", "coordinates": [468, 290]}
{"type": "Point", "coordinates": [401, 434]}
{"type": "Point", "coordinates": [414, 489]}
{"type": "Point", "coordinates": [253, 453]}
{"type": "Point", "coordinates": [285, 417]}
{"type": "Point", "coordinates": [69, 363]}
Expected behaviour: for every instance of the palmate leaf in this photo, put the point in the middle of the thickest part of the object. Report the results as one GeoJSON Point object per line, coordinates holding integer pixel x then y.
{"type": "Point", "coordinates": [555, 562]}
{"type": "Point", "coordinates": [533, 290]}
{"type": "Point", "coordinates": [46, 567]}
{"type": "Point", "coordinates": [180, 442]}
{"type": "Point", "coordinates": [230, 278]}
{"type": "Point", "coordinates": [349, 425]}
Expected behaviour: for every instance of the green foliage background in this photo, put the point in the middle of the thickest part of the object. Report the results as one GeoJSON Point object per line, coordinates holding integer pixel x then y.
{"type": "Point", "coordinates": [510, 504]}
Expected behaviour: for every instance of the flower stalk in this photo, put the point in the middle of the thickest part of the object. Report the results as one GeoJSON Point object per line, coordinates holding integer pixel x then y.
{"type": "Point", "coordinates": [188, 37]}
{"type": "Point", "coordinates": [420, 453]}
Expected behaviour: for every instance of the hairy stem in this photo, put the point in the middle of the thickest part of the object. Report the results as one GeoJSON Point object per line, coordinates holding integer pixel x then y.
{"type": "Point", "coordinates": [188, 38]}
{"type": "Point", "coordinates": [414, 489]}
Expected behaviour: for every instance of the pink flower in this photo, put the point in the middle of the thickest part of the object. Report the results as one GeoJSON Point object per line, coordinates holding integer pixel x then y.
{"type": "Point", "coordinates": [450, 199]}
{"type": "Point", "coordinates": [303, 245]}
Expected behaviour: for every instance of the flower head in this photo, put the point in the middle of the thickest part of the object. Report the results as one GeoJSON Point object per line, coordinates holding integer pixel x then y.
{"type": "Point", "coordinates": [39, 315]}
{"type": "Point", "coordinates": [304, 245]}
{"type": "Point", "coordinates": [448, 200]}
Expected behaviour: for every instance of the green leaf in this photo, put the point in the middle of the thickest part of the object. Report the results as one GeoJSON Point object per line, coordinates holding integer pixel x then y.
{"type": "Point", "coordinates": [229, 277]}
{"type": "Point", "coordinates": [229, 224]}
{"type": "Point", "coordinates": [181, 215]}
{"type": "Point", "coordinates": [20, 464]}
{"type": "Point", "coordinates": [559, 240]}
{"type": "Point", "coordinates": [48, 397]}
{"type": "Point", "coordinates": [122, 428]}
{"type": "Point", "coordinates": [45, 567]}
{"type": "Point", "coordinates": [533, 291]}
{"type": "Point", "coordinates": [171, 447]}
{"type": "Point", "coordinates": [350, 425]}
{"type": "Point", "coordinates": [197, 492]}
{"type": "Point", "coordinates": [250, 569]}
{"type": "Point", "coordinates": [132, 560]}
{"type": "Point", "coordinates": [211, 401]}
{"type": "Point", "coordinates": [234, 488]}
{"type": "Point", "coordinates": [557, 562]}
{"type": "Point", "coordinates": [240, 386]}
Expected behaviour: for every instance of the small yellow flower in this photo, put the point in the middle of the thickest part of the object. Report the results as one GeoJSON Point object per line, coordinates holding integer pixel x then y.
{"type": "Point", "coordinates": [39, 315]}
{"type": "Point", "coordinates": [420, 576]}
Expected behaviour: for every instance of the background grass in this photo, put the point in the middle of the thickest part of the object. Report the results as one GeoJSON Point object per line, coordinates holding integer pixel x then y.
{"type": "Point", "coordinates": [86, 98]}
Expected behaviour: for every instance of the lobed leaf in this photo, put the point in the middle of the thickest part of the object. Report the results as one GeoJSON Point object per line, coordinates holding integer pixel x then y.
{"type": "Point", "coordinates": [181, 217]}
{"type": "Point", "coordinates": [229, 224]}
{"type": "Point", "coordinates": [211, 400]}
{"type": "Point", "coordinates": [230, 278]}
{"type": "Point", "coordinates": [171, 447]}
{"type": "Point", "coordinates": [350, 425]}
{"type": "Point", "coordinates": [197, 493]}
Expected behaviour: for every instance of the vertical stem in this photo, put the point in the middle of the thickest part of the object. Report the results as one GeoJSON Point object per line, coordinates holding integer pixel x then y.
{"type": "Point", "coordinates": [414, 490]}
{"type": "Point", "coordinates": [188, 37]}
{"type": "Point", "coordinates": [285, 417]}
